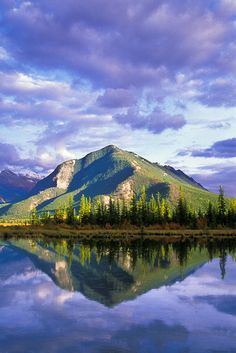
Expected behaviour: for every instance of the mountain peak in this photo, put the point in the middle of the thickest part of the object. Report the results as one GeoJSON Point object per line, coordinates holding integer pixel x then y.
{"type": "Point", "coordinates": [111, 148]}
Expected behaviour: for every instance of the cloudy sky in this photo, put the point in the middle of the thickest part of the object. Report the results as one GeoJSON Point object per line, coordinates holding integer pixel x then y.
{"type": "Point", "coordinates": [155, 76]}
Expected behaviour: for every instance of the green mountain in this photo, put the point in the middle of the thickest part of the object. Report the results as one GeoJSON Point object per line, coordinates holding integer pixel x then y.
{"type": "Point", "coordinates": [108, 171]}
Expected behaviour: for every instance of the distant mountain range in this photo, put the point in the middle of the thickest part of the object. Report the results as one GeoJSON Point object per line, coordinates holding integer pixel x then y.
{"type": "Point", "coordinates": [15, 186]}
{"type": "Point", "coordinates": [108, 171]}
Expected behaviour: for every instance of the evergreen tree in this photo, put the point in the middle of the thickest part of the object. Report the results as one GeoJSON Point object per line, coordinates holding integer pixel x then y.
{"type": "Point", "coordinates": [159, 212]}
{"type": "Point", "coordinates": [97, 211]}
{"type": "Point", "coordinates": [210, 215]}
{"type": "Point", "coordinates": [193, 219]}
{"type": "Point", "coordinates": [152, 210]}
{"type": "Point", "coordinates": [45, 217]}
{"type": "Point", "coordinates": [124, 212]}
{"type": "Point", "coordinates": [84, 210]}
{"type": "Point", "coordinates": [70, 212]}
{"type": "Point", "coordinates": [142, 206]}
{"type": "Point", "coordinates": [59, 215]}
{"type": "Point", "coordinates": [134, 210]}
{"type": "Point", "coordinates": [182, 210]}
{"type": "Point", "coordinates": [167, 212]}
{"type": "Point", "coordinates": [221, 206]}
{"type": "Point", "coordinates": [112, 212]}
{"type": "Point", "coordinates": [34, 217]}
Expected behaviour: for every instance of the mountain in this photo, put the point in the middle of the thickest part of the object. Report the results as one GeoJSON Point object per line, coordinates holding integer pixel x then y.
{"type": "Point", "coordinates": [15, 186]}
{"type": "Point", "coordinates": [179, 173]}
{"type": "Point", "coordinates": [108, 171]}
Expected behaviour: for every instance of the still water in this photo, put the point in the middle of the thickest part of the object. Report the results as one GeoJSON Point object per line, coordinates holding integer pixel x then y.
{"type": "Point", "coordinates": [111, 297]}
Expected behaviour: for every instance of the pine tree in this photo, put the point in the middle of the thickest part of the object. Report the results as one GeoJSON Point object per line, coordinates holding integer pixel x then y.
{"type": "Point", "coordinates": [124, 212]}
{"type": "Point", "coordinates": [193, 219]}
{"type": "Point", "coordinates": [142, 206]}
{"type": "Point", "coordinates": [82, 210]}
{"type": "Point", "coordinates": [59, 215]}
{"type": "Point", "coordinates": [111, 212]}
{"type": "Point", "coordinates": [70, 212]}
{"type": "Point", "coordinates": [167, 212]}
{"type": "Point", "coordinates": [159, 212]}
{"type": "Point", "coordinates": [162, 211]}
{"type": "Point", "coordinates": [34, 217]}
{"type": "Point", "coordinates": [210, 215]}
{"type": "Point", "coordinates": [45, 217]}
{"type": "Point", "coordinates": [182, 210]}
{"type": "Point", "coordinates": [98, 211]}
{"type": "Point", "coordinates": [221, 206]}
{"type": "Point", "coordinates": [134, 210]}
{"type": "Point", "coordinates": [152, 210]}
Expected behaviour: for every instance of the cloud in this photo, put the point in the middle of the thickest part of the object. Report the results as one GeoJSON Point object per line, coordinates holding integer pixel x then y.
{"type": "Point", "coordinates": [219, 125]}
{"type": "Point", "coordinates": [228, 6]}
{"type": "Point", "coordinates": [11, 158]}
{"type": "Point", "coordinates": [116, 98]}
{"type": "Point", "coordinates": [8, 155]}
{"type": "Point", "coordinates": [220, 149]}
{"type": "Point", "coordinates": [34, 86]}
{"type": "Point", "coordinates": [218, 93]}
{"type": "Point", "coordinates": [214, 176]}
{"type": "Point", "coordinates": [116, 45]}
{"type": "Point", "coordinates": [156, 122]}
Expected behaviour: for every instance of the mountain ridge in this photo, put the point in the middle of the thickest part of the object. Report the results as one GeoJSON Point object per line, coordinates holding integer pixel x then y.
{"type": "Point", "coordinates": [14, 186]}
{"type": "Point", "coordinates": [107, 171]}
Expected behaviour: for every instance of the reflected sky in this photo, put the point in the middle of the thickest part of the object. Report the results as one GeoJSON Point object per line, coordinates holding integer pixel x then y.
{"type": "Point", "coordinates": [196, 314]}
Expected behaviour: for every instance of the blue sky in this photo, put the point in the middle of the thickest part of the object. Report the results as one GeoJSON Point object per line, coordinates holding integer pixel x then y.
{"type": "Point", "coordinates": [154, 77]}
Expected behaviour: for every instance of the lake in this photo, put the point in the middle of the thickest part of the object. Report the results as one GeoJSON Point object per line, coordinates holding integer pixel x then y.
{"type": "Point", "coordinates": [64, 296]}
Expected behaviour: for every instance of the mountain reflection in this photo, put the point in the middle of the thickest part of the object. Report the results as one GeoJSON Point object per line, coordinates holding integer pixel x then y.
{"type": "Point", "coordinates": [111, 272]}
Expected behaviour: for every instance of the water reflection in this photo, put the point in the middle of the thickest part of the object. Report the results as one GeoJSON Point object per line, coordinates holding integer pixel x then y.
{"type": "Point", "coordinates": [142, 296]}
{"type": "Point", "coordinates": [110, 272]}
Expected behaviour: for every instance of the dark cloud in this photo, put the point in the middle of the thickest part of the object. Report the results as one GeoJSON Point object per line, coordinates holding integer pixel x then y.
{"type": "Point", "coordinates": [220, 149]}
{"type": "Point", "coordinates": [117, 44]}
{"type": "Point", "coordinates": [116, 98]}
{"type": "Point", "coordinates": [156, 122]}
{"type": "Point", "coordinates": [217, 175]}
{"type": "Point", "coordinates": [8, 155]}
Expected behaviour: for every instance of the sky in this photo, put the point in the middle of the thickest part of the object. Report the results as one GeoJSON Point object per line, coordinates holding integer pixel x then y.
{"type": "Point", "coordinates": [154, 77]}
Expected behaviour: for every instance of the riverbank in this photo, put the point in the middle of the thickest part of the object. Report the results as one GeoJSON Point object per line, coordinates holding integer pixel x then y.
{"type": "Point", "coordinates": [100, 233]}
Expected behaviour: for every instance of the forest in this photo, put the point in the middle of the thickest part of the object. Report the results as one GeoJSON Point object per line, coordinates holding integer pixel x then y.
{"type": "Point", "coordinates": [140, 212]}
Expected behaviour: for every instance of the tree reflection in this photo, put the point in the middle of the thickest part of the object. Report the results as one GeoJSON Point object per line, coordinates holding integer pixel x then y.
{"type": "Point", "coordinates": [150, 254]}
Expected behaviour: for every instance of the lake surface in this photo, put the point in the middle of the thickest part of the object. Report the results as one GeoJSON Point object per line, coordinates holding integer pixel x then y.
{"type": "Point", "coordinates": [111, 297]}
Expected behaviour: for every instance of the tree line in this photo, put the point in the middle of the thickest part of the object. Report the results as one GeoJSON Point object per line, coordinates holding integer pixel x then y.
{"type": "Point", "coordinates": [141, 211]}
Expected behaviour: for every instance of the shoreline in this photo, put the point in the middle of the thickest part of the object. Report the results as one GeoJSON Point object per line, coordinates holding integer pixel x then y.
{"type": "Point", "coordinates": [109, 234]}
